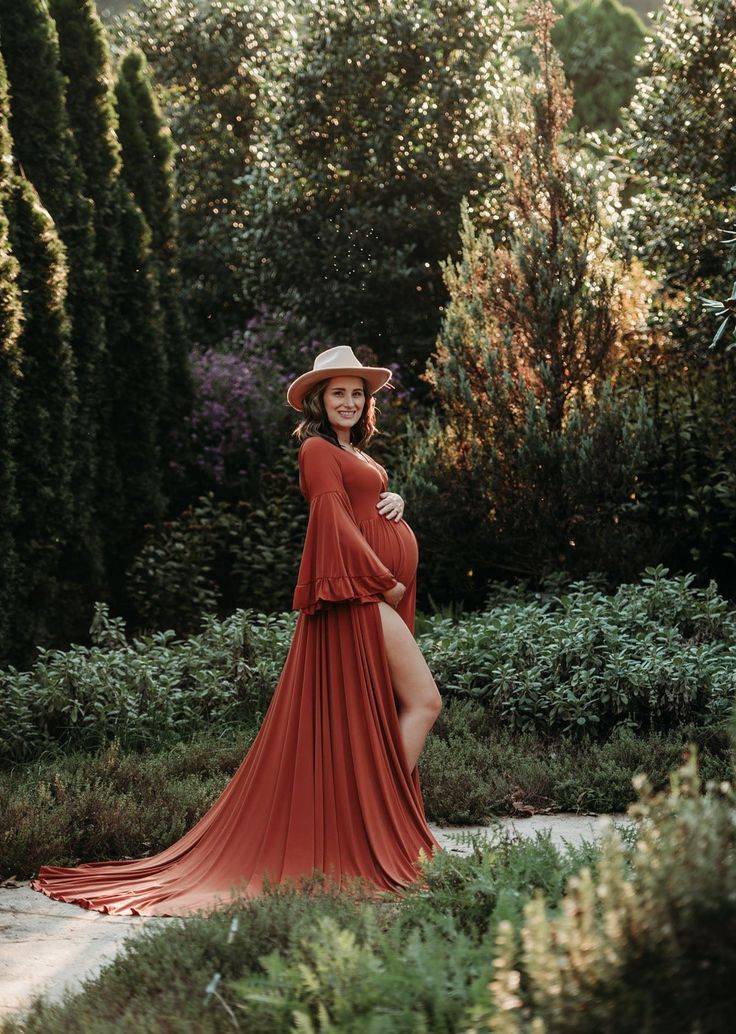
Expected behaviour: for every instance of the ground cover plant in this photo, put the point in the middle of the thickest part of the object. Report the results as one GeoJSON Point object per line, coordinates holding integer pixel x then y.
{"type": "Point", "coordinates": [115, 803]}
{"type": "Point", "coordinates": [425, 952]}
{"type": "Point", "coordinates": [654, 655]}
{"type": "Point", "coordinates": [514, 937]}
{"type": "Point", "coordinates": [116, 750]}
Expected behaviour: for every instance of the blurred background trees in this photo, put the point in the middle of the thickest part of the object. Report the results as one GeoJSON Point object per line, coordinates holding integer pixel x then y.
{"type": "Point", "coordinates": [521, 217]}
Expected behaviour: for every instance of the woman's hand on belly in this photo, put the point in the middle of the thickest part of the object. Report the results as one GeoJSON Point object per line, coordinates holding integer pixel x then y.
{"type": "Point", "coordinates": [393, 595]}
{"type": "Point", "coordinates": [391, 505]}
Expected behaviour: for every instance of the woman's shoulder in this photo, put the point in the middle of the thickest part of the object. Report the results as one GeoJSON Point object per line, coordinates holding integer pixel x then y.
{"type": "Point", "coordinates": [315, 442]}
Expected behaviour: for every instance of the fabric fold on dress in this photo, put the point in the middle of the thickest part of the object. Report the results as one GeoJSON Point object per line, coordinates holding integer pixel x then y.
{"type": "Point", "coordinates": [325, 784]}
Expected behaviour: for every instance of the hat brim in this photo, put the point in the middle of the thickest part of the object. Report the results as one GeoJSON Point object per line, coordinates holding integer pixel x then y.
{"type": "Point", "coordinates": [376, 376]}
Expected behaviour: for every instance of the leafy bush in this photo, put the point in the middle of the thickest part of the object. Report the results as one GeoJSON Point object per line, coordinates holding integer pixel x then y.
{"type": "Point", "coordinates": [172, 582]}
{"type": "Point", "coordinates": [598, 41]}
{"type": "Point", "coordinates": [443, 934]}
{"type": "Point", "coordinates": [151, 691]}
{"type": "Point", "coordinates": [241, 423]}
{"type": "Point", "coordinates": [213, 558]}
{"type": "Point", "coordinates": [118, 803]}
{"type": "Point", "coordinates": [653, 656]}
{"type": "Point", "coordinates": [112, 804]}
{"type": "Point", "coordinates": [688, 490]}
{"type": "Point", "coordinates": [472, 767]}
{"type": "Point", "coordinates": [636, 934]}
{"type": "Point", "coordinates": [647, 944]}
{"type": "Point", "coordinates": [679, 148]}
{"type": "Point", "coordinates": [534, 441]}
{"type": "Point", "coordinates": [379, 123]}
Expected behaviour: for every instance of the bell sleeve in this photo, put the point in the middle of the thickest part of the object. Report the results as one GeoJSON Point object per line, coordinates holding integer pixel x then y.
{"type": "Point", "coordinates": [337, 564]}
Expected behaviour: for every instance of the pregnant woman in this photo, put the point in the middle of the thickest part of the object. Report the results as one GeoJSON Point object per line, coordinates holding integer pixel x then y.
{"type": "Point", "coordinates": [331, 781]}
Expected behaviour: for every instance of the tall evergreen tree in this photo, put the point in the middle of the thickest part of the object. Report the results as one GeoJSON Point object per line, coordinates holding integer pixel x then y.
{"type": "Point", "coordinates": [11, 319]}
{"type": "Point", "coordinates": [211, 60]}
{"type": "Point", "coordinates": [137, 365]}
{"type": "Point", "coordinates": [148, 152]}
{"type": "Point", "coordinates": [45, 150]}
{"type": "Point", "coordinates": [46, 403]}
{"type": "Point", "coordinates": [534, 446]}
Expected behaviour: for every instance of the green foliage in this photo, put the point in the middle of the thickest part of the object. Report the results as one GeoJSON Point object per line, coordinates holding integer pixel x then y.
{"type": "Point", "coordinates": [131, 476]}
{"type": "Point", "coordinates": [653, 656]}
{"type": "Point", "coordinates": [111, 804]}
{"type": "Point", "coordinates": [725, 309]}
{"type": "Point", "coordinates": [148, 159]}
{"type": "Point", "coordinates": [151, 691]}
{"type": "Point", "coordinates": [46, 399]}
{"type": "Point", "coordinates": [266, 554]}
{"type": "Point", "coordinates": [535, 442]}
{"type": "Point", "coordinates": [210, 62]}
{"type": "Point", "coordinates": [11, 322]}
{"type": "Point", "coordinates": [598, 41]}
{"type": "Point", "coordinates": [45, 149]}
{"type": "Point", "coordinates": [473, 767]}
{"type": "Point", "coordinates": [119, 802]}
{"type": "Point", "coordinates": [679, 141]}
{"type": "Point", "coordinates": [172, 580]}
{"type": "Point", "coordinates": [539, 666]}
{"type": "Point", "coordinates": [214, 557]}
{"type": "Point", "coordinates": [380, 124]}
{"type": "Point", "coordinates": [163, 973]}
{"type": "Point", "coordinates": [687, 486]}
{"type": "Point", "coordinates": [635, 934]}
{"type": "Point", "coordinates": [648, 943]}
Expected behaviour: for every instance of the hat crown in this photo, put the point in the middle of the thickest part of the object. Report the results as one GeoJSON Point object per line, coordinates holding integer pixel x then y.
{"type": "Point", "coordinates": [337, 357]}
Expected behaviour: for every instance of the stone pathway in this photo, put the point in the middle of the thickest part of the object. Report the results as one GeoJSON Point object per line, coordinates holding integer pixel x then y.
{"type": "Point", "coordinates": [48, 947]}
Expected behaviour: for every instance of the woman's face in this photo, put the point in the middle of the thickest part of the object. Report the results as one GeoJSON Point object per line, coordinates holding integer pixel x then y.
{"type": "Point", "coordinates": [344, 401]}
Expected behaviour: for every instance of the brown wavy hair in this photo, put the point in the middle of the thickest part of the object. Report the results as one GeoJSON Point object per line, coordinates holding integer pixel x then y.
{"type": "Point", "coordinates": [314, 422]}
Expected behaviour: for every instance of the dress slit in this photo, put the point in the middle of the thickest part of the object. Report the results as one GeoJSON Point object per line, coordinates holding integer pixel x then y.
{"type": "Point", "coordinates": [325, 785]}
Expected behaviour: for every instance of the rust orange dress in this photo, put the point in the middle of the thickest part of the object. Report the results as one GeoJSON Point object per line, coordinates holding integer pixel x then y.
{"type": "Point", "coordinates": [325, 784]}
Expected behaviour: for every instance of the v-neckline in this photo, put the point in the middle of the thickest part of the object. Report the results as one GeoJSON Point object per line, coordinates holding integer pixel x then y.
{"type": "Point", "coordinates": [368, 460]}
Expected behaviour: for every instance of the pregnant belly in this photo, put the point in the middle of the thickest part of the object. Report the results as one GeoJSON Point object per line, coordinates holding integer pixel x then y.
{"type": "Point", "coordinates": [394, 544]}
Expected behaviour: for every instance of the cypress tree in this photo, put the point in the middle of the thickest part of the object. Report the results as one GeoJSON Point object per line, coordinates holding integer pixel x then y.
{"type": "Point", "coordinates": [11, 319]}
{"type": "Point", "coordinates": [45, 150]}
{"type": "Point", "coordinates": [148, 152]}
{"type": "Point", "coordinates": [47, 394]}
{"type": "Point", "coordinates": [137, 368]}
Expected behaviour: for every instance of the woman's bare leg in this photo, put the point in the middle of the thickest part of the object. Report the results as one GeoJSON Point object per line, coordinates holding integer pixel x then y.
{"type": "Point", "coordinates": [412, 680]}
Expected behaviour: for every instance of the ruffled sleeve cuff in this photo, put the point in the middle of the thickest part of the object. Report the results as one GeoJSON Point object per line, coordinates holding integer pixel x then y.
{"type": "Point", "coordinates": [321, 592]}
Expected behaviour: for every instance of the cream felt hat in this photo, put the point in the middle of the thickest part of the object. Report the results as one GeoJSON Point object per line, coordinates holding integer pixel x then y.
{"type": "Point", "coordinates": [331, 363]}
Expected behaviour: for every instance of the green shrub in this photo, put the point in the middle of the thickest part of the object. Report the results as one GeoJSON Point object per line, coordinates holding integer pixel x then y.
{"type": "Point", "coordinates": [647, 944]}
{"type": "Point", "coordinates": [654, 655]}
{"type": "Point", "coordinates": [598, 41]}
{"type": "Point", "coordinates": [172, 580]}
{"type": "Point", "coordinates": [154, 690]}
{"type": "Point", "coordinates": [213, 557]}
{"type": "Point", "coordinates": [110, 805]}
{"type": "Point", "coordinates": [119, 803]}
{"type": "Point", "coordinates": [430, 954]}
{"type": "Point", "coordinates": [471, 768]}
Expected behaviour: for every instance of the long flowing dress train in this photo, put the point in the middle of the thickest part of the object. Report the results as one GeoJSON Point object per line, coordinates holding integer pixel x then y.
{"type": "Point", "coordinates": [325, 784]}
